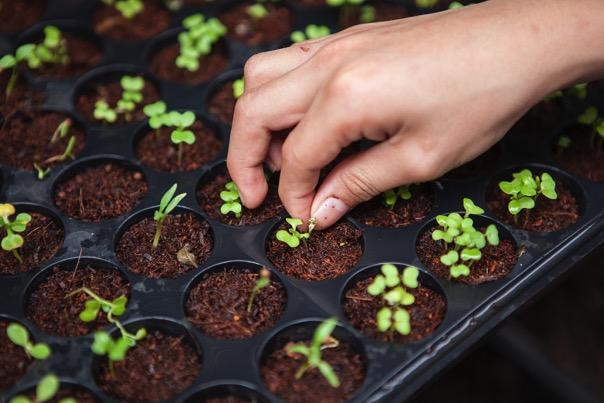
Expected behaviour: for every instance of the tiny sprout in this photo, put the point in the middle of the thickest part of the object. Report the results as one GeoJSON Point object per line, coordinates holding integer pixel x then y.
{"type": "Point", "coordinates": [391, 196]}
{"type": "Point", "coordinates": [391, 286]}
{"type": "Point", "coordinates": [579, 90]}
{"type": "Point", "coordinates": [238, 88]}
{"type": "Point", "coordinates": [167, 204]}
{"type": "Point", "coordinates": [102, 111]}
{"type": "Point", "coordinates": [462, 242]}
{"type": "Point", "coordinates": [426, 3]}
{"type": "Point", "coordinates": [156, 112]}
{"type": "Point", "coordinates": [263, 281]}
{"type": "Point", "coordinates": [292, 236]}
{"type": "Point", "coordinates": [13, 241]}
{"type": "Point", "coordinates": [564, 142]}
{"type": "Point", "coordinates": [18, 335]}
{"type": "Point", "coordinates": [197, 40]}
{"type": "Point", "coordinates": [60, 133]}
{"type": "Point", "coordinates": [455, 4]}
{"type": "Point", "coordinates": [116, 350]}
{"type": "Point", "coordinates": [46, 389]}
{"type": "Point", "coordinates": [94, 306]}
{"type": "Point", "coordinates": [181, 135]}
{"type": "Point", "coordinates": [591, 117]}
{"type": "Point", "coordinates": [41, 173]}
{"type": "Point", "coordinates": [321, 340]}
{"type": "Point", "coordinates": [525, 188]}
{"type": "Point", "coordinates": [367, 14]}
{"type": "Point", "coordinates": [132, 95]}
{"type": "Point", "coordinates": [232, 200]}
{"type": "Point", "coordinates": [311, 31]}
{"type": "Point", "coordinates": [128, 8]}
{"type": "Point", "coordinates": [257, 11]}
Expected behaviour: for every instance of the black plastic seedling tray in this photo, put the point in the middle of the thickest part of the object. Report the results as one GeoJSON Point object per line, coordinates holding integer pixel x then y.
{"type": "Point", "coordinates": [394, 372]}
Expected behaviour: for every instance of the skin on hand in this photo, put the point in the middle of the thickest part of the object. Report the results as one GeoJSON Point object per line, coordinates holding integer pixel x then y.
{"type": "Point", "coordinates": [434, 91]}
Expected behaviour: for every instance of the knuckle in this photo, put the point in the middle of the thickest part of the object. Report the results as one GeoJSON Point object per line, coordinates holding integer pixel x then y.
{"type": "Point", "coordinates": [252, 68]}
{"type": "Point", "coordinates": [358, 185]}
{"type": "Point", "coordinates": [290, 154]}
{"type": "Point", "coordinates": [245, 104]}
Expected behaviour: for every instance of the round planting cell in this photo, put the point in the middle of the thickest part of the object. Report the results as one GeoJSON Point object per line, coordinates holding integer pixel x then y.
{"type": "Point", "coordinates": [14, 362]}
{"type": "Point", "coordinates": [210, 201]}
{"type": "Point", "coordinates": [98, 190]}
{"type": "Point", "coordinates": [186, 242]}
{"type": "Point", "coordinates": [324, 255]}
{"type": "Point", "coordinates": [227, 394]}
{"type": "Point", "coordinates": [152, 20]}
{"type": "Point", "coordinates": [426, 312]}
{"type": "Point", "coordinates": [55, 300]}
{"type": "Point", "coordinates": [17, 15]}
{"type": "Point", "coordinates": [242, 27]}
{"type": "Point", "coordinates": [233, 301]}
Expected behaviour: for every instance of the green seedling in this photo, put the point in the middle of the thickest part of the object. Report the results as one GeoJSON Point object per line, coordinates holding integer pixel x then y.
{"type": "Point", "coordinates": [197, 40]}
{"type": "Point", "coordinates": [96, 305]}
{"type": "Point", "coordinates": [292, 236]}
{"type": "Point", "coordinates": [563, 143]}
{"type": "Point", "coordinates": [46, 389]}
{"type": "Point", "coordinates": [156, 112]}
{"type": "Point", "coordinates": [18, 335]}
{"type": "Point", "coordinates": [426, 3]}
{"type": "Point", "coordinates": [321, 340]}
{"type": "Point", "coordinates": [591, 117]}
{"type": "Point", "coordinates": [311, 31]}
{"type": "Point", "coordinates": [238, 88]}
{"type": "Point", "coordinates": [232, 200]}
{"type": "Point", "coordinates": [579, 90]}
{"type": "Point", "coordinates": [61, 132]}
{"type": "Point", "coordinates": [263, 281]}
{"type": "Point", "coordinates": [12, 241]}
{"type": "Point", "coordinates": [391, 196]}
{"type": "Point", "coordinates": [41, 172]}
{"type": "Point", "coordinates": [257, 11]}
{"type": "Point", "coordinates": [181, 134]}
{"type": "Point", "coordinates": [351, 8]}
{"type": "Point", "coordinates": [128, 8]}
{"type": "Point", "coordinates": [132, 95]}
{"type": "Point", "coordinates": [462, 242]}
{"type": "Point", "coordinates": [392, 286]}
{"type": "Point", "coordinates": [116, 350]}
{"type": "Point", "coordinates": [167, 204]}
{"type": "Point", "coordinates": [525, 188]}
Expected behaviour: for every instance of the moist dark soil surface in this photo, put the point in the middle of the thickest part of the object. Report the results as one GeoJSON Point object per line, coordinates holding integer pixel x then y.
{"type": "Point", "coordinates": [546, 115]}
{"type": "Point", "coordinates": [111, 92]}
{"type": "Point", "coordinates": [426, 313]}
{"type": "Point", "coordinates": [375, 213]}
{"type": "Point", "coordinates": [161, 154]}
{"type": "Point", "coordinates": [242, 27]}
{"type": "Point", "coordinates": [17, 15]}
{"type": "Point", "coordinates": [547, 216]}
{"type": "Point", "coordinates": [326, 254]}
{"type": "Point", "coordinates": [43, 238]}
{"type": "Point", "coordinates": [84, 55]}
{"type": "Point", "coordinates": [208, 197]}
{"type": "Point", "coordinates": [278, 372]}
{"type": "Point", "coordinates": [496, 262]}
{"type": "Point", "coordinates": [163, 65]}
{"type": "Point", "coordinates": [217, 305]}
{"type": "Point", "coordinates": [79, 394]}
{"type": "Point", "coordinates": [158, 368]}
{"type": "Point", "coordinates": [483, 164]}
{"type": "Point", "coordinates": [52, 311]}
{"type": "Point", "coordinates": [222, 103]}
{"type": "Point", "coordinates": [383, 12]}
{"type": "Point", "coordinates": [100, 192]}
{"type": "Point", "coordinates": [313, 3]}
{"type": "Point", "coordinates": [583, 158]}
{"type": "Point", "coordinates": [13, 360]}
{"type": "Point", "coordinates": [151, 21]}
{"type": "Point", "coordinates": [22, 97]}
{"type": "Point", "coordinates": [25, 139]}
{"type": "Point", "coordinates": [135, 248]}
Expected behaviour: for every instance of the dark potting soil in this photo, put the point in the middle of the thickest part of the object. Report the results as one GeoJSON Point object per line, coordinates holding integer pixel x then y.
{"type": "Point", "coordinates": [313, 3]}
{"type": "Point", "coordinates": [25, 139]}
{"type": "Point", "coordinates": [135, 247]}
{"type": "Point", "coordinates": [584, 157]}
{"type": "Point", "coordinates": [547, 216]}
{"type": "Point", "coordinates": [79, 394]}
{"type": "Point", "coordinates": [50, 308]}
{"type": "Point", "coordinates": [151, 21]}
{"type": "Point", "coordinates": [375, 213]}
{"type": "Point", "coordinates": [546, 115]}
{"type": "Point", "coordinates": [159, 153]}
{"type": "Point", "coordinates": [326, 254]}
{"type": "Point", "coordinates": [278, 372]}
{"type": "Point", "coordinates": [208, 197]}
{"type": "Point", "coordinates": [13, 360]}
{"type": "Point", "coordinates": [158, 368]}
{"type": "Point", "coordinates": [426, 313]}
{"type": "Point", "coordinates": [100, 192]}
{"type": "Point", "coordinates": [17, 15]}
{"type": "Point", "coordinates": [496, 262]}
{"type": "Point", "coordinates": [163, 65]}
{"type": "Point", "coordinates": [22, 97]}
{"type": "Point", "coordinates": [84, 55]}
{"type": "Point", "coordinates": [111, 92]}
{"type": "Point", "coordinates": [222, 103]}
{"type": "Point", "coordinates": [226, 399]}
{"type": "Point", "coordinates": [483, 164]}
{"type": "Point", "coordinates": [43, 238]}
{"type": "Point", "coordinates": [242, 27]}
{"type": "Point", "coordinates": [217, 305]}
{"type": "Point", "coordinates": [383, 12]}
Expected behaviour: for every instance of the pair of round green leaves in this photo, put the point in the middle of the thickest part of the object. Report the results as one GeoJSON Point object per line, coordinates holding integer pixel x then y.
{"type": "Point", "coordinates": [525, 188]}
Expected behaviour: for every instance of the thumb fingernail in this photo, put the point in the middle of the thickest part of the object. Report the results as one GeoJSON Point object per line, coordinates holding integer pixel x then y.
{"type": "Point", "coordinates": [330, 211]}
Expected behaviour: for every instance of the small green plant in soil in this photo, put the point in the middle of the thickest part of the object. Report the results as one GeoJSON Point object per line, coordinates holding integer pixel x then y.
{"type": "Point", "coordinates": [61, 132]}
{"type": "Point", "coordinates": [263, 281]}
{"type": "Point", "coordinates": [591, 117]}
{"type": "Point", "coordinates": [167, 204]}
{"type": "Point", "coordinates": [390, 197]}
{"type": "Point", "coordinates": [292, 236]}
{"type": "Point", "coordinates": [563, 143]}
{"type": "Point", "coordinates": [12, 241]}
{"type": "Point", "coordinates": [238, 88]}
{"type": "Point", "coordinates": [18, 335]}
{"type": "Point", "coordinates": [232, 200]}
{"type": "Point", "coordinates": [197, 40]}
{"type": "Point", "coordinates": [392, 286]}
{"type": "Point", "coordinates": [132, 87]}
{"type": "Point", "coordinates": [156, 112]}
{"type": "Point", "coordinates": [321, 340]}
{"type": "Point", "coordinates": [257, 10]}
{"type": "Point", "coordinates": [128, 8]}
{"type": "Point", "coordinates": [311, 31]}
{"type": "Point", "coordinates": [525, 188]}
{"type": "Point", "coordinates": [462, 242]}
{"type": "Point", "coordinates": [46, 389]}
{"type": "Point", "coordinates": [350, 8]}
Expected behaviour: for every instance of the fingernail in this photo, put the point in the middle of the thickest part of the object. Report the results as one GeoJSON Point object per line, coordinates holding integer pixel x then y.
{"type": "Point", "coordinates": [330, 211]}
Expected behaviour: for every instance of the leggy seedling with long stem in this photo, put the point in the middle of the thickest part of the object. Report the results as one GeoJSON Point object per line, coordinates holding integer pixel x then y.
{"type": "Point", "coordinates": [263, 281]}
{"type": "Point", "coordinates": [292, 236]}
{"type": "Point", "coordinates": [524, 190]}
{"type": "Point", "coordinates": [46, 389]}
{"type": "Point", "coordinates": [321, 340]}
{"type": "Point", "coordinates": [181, 134]}
{"type": "Point", "coordinates": [18, 335]}
{"type": "Point", "coordinates": [167, 204]}
{"type": "Point", "coordinates": [197, 40]}
{"type": "Point", "coordinates": [12, 241]}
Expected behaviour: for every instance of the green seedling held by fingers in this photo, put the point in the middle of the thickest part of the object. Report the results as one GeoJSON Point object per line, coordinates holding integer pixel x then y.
{"type": "Point", "coordinates": [321, 340]}
{"type": "Point", "coordinates": [46, 390]}
{"type": "Point", "coordinates": [12, 241]}
{"type": "Point", "coordinates": [167, 204]}
{"type": "Point", "coordinates": [525, 188]}
{"type": "Point", "coordinates": [292, 236]}
{"type": "Point", "coordinates": [18, 335]}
